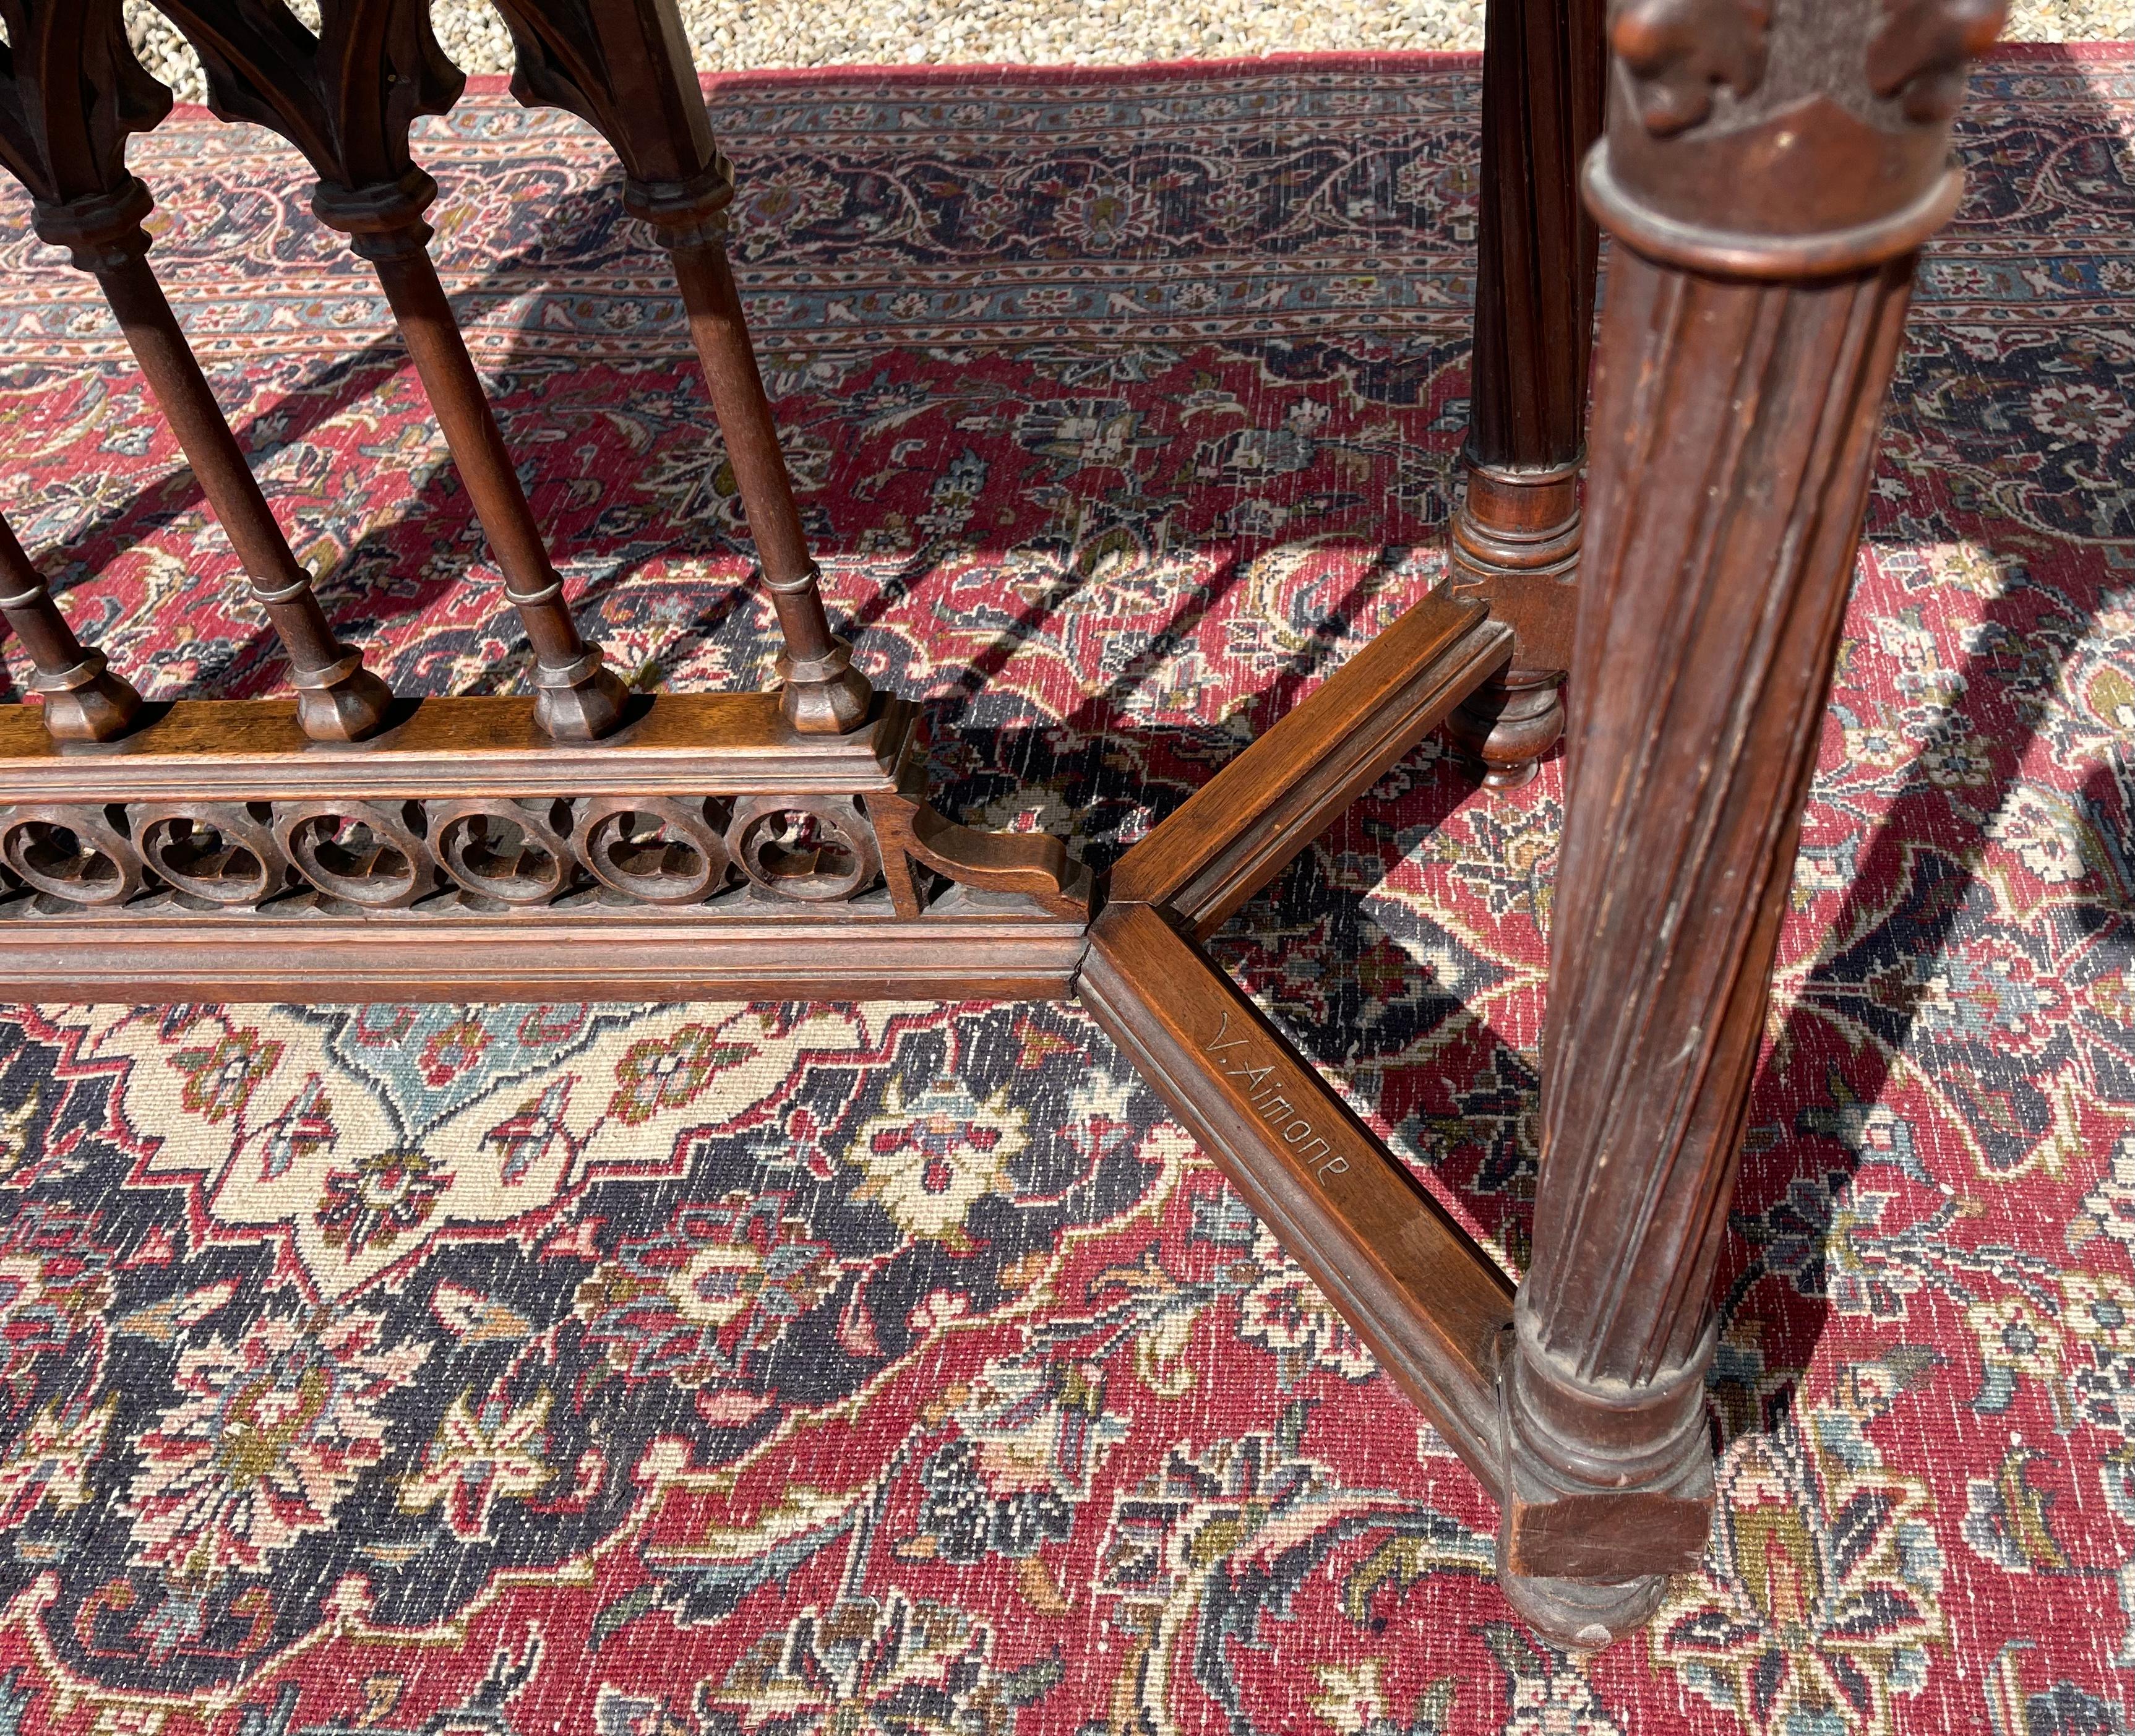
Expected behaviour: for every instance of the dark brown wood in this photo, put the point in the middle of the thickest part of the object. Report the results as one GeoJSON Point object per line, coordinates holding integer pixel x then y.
{"type": "Point", "coordinates": [218, 854]}
{"type": "Point", "coordinates": [71, 95]}
{"type": "Point", "coordinates": [1032, 864]}
{"type": "Point", "coordinates": [1767, 176]}
{"type": "Point", "coordinates": [1514, 542]}
{"type": "Point", "coordinates": [337, 699]}
{"type": "Point", "coordinates": [241, 750]}
{"type": "Point", "coordinates": [84, 701]}
{"type": "Point", "coordinates": [1738, 393]}
{"type": "Point", "coordinates": [736, 949]}
{"type": "Point", "coordinates": [1428, 1301]}
{"type": "Point", "coordinates": [1239, 831]}
{"type": "Point", "coordinates": [825, 693]}
{"type": "Point", "coordinates": [706, 847]}
{"type": "Point", "coordinates": [346, 97]}
{"type": "Point", "coordinates": [624, 67]}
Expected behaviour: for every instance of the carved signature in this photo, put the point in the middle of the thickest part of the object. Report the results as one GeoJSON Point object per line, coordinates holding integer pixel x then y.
{"type": "Point", "coordinates": [1264, 1091]}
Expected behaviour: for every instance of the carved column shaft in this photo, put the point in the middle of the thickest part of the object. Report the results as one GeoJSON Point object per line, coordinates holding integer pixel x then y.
{"type": "Point", "coordinates": [1515, 537]}
{"type": "Point", "coordinates": [577, 698]}
{"type": "Point", "coordinates": [337, 699]}
{"type": "Point", "coordinates": [84, 701]}
{"type": "Point", "coordinates": [826, 694]}
{"type": "Point", "coordinates": [1725, 593]}
{"type": "Point", "coordinates": [1767, 197]}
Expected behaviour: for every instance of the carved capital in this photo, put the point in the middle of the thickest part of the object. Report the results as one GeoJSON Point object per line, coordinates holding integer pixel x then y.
{"type": "Point", "coordinates": [623, 67]}
{"type": "Point", "coordinates": [1784, 139]}
{"type": "Point", "coordinates": [1677, 50]}
{"type": "Point", "coordinates": [1922, 51]}
{"type": "Point", "coordinates": [383, 218]}
{"type": "Point", "coordinates": [71, 94]}
{"type": "Point", "coordinates": [346, 97]}
{"type": "Point", "coordinates": [100, 231]}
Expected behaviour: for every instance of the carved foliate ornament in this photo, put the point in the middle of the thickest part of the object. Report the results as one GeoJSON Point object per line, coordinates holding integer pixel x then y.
{"type": "Point", "coordinates": [71, 95]}
{"type": "Point", "coordinates": [1833, 155]}
{"type": "Point", "coordinates": [346, 97]}
{"type": "Point", "coordinates": [1923, 49]}
{"type": "Point", "coordinates": [1677, 50]}
{"type": "Point", "coordinates": [623, 67]}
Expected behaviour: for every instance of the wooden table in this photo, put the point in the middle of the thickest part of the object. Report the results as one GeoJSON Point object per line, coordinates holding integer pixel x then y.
{"type": "Point", "coordinates": [1767, 175]}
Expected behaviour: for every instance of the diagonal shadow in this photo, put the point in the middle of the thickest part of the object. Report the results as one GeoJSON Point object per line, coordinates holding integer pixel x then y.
{"type": "Point", "coordinates": [1914, 886]}
{"type": "Point", "coordinates": [582, 226]}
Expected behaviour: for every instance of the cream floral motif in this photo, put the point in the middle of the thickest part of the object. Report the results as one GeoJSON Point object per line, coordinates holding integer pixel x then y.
{"type": "Point", "coordinates": [1108, 215]}
{"type": "Point", "coordinates": [356, 1146]}
{"type": "Point", "coordinates": [482, 1454]}
{"type": "Point", "coordinates": [2042, 828]}
{"type": "Point", "coordinates": [49, 1460]}
{"type": "Point", "coordinates": [2079, 413]}
{"type": "Point", "coordinates": [930, 1158]}
{"type": "Point", "coordinates": [2111, 1204]}
{"type": "Point", "coordinates": [2018, 1341]}
{"type": "Point", "coordinates": [1820, 1598]}
{"type": "Point", "coordinates": [268, 1439]}
{"type": "Point", "coordinates": [2098, 1311]}
{"type": "Point", "coordinates": [1287, 1312]}
{"type": "Point", "coordinates": [385, 1196]}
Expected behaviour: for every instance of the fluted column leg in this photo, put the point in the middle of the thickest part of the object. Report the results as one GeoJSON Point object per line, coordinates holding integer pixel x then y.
{"type": "Point", "coordinates": [1738, 395]}
{"type": "Point", "coordinates": [1515, 535]}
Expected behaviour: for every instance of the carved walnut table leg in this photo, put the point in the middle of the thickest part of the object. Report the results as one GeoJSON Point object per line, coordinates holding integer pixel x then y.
{"type": "Point", "coordinates": [1738, 395]}
{"type": "Point", "coordinates": [1515, 538]}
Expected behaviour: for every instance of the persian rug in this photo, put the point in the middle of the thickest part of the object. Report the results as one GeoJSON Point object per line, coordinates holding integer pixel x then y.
{"type": "Point", "coordinates": [766, 1370]}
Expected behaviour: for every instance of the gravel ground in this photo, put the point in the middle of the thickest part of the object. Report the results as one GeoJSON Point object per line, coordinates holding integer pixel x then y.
{"type": "Point", "coordinates": [728, 35]}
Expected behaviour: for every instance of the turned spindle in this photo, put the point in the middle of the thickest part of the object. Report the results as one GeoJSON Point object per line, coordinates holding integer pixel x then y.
{"type": "Point", "coordinates": [84, 701]}
{"type": "Point", "coordinates": [623, 66]}
{"type": "Point", "coordinates": [346, 99]}
{"type": "Point", "coordinates": [77, 93]}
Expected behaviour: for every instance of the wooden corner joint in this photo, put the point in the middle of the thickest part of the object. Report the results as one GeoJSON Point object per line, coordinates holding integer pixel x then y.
{"type": "Point", "coordinates": [1241, 827]}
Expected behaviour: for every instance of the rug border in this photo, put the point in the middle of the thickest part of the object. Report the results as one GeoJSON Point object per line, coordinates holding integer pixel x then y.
{"type": "Point", "coordinates": [1402, 59]}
